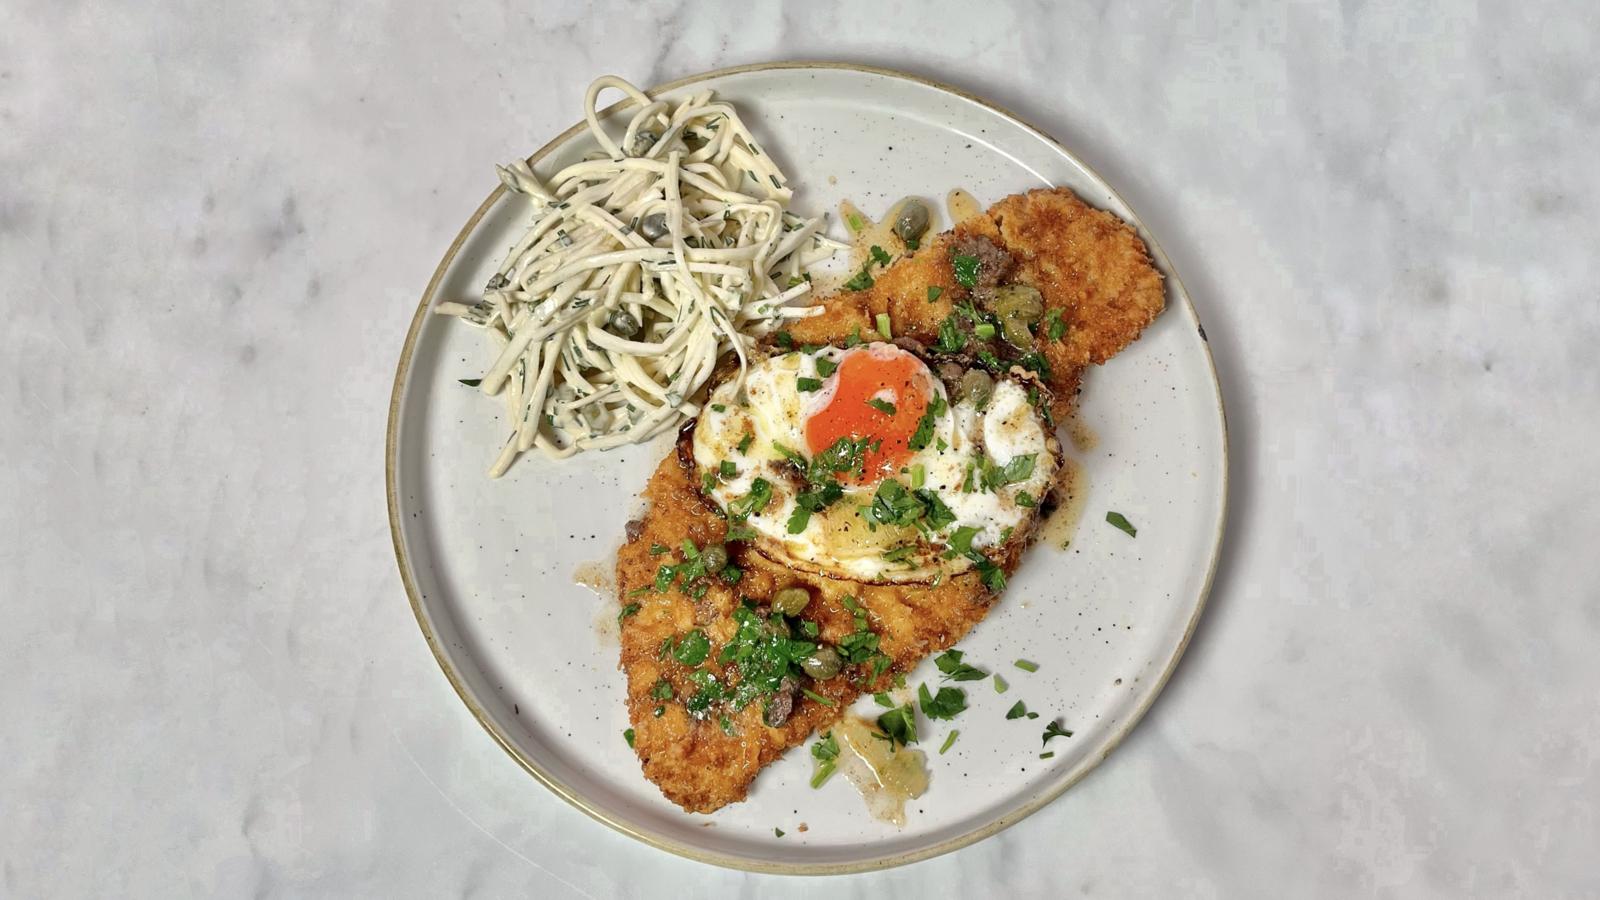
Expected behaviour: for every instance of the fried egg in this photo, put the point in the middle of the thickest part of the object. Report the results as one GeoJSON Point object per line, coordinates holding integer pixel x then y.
{"type": "Point", "coordinates": [856, 462]}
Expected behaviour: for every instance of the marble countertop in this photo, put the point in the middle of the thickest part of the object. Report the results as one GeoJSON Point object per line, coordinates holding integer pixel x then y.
{"type": "Point", "coordinates": [215, 220]}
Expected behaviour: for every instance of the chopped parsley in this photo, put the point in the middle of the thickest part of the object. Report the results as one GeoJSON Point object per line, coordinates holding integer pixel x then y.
{"type": "Point", "coordinates": [765, 656]}
{"type": "Point", "coordinates": [966, 269]}
{"type": "Point", "coordinates": [900, 724]}
{"type": "Point", "coordinates": [933, 292]}
{"type": "Point", "coordinates": [825, 366]}
{"type": "Point", "coordinates": [994, 578]}
{"type": "Point", "coordinates": [879, 255]}
{"type": "Point", "coordinates": [808, 385]}
{"type": "Point", "coordinates": [726, 470]}
{"type": "Point", "coordinates": [826, 752]}
{"type": "Point", "coordinates": [726, 725]}
{"type": "Point", "coordinates": [1053, 730]}
{"type": "Point", "coordinates": [899, 554]}
{"type": "Point", "coordinates": [662, 690]}
{"type": "Point", "coordinates": [892, 504]}
{"type": "Point", "coordinates": [860, 282]}
{"type": "Point", "coordinates": [658, 549]}
{"type": "Point", "coordinates": [1017, 710]}
{"type": "Point", "coordinates": [785, 340]}
{"type": "Point", "coordinates": [627, 735]}
{"type": "Point", "coordinates": [1054, 328]}
{"type": "Point", "coordinates": [1026, 666]}
{"type": "Point", "coordinates": [882, 699]}
{"type": "Point", "coordinates": [1121, 521]}
{"type": "Point", "coordinates": [924, 433]}
{"type": "Point", "coordinates": [1024, 498]}
{"type": "Point", "coordinates": [740, 533]}
{"type": "Point", "coordinates": [949, 662]}
{"type": "Point", "coordinates": [882, 406]}
{"type": "Point", "coordinates": [825, 701]}
{"type": "Point", "coordinates": [692, 648]}
{"type": "Point", "coordinates": [627, 611]}
{"type": "Point", "coordinates": [719, 407]}
{"type": "Point", "coordinates": [951, 337]}
{"type": "Point", "coordinates": [1020, 468]}
{"type": "Point", "coordinates": [744, 442]}
{"type": "Point", "coordinates": [946, 704]}
{"type": "Point", "coordinates": [755, 501]}
{"type": "Point", "coordinates": [778, 832]}
{"type": "Point", "coordinates": [949, 739]}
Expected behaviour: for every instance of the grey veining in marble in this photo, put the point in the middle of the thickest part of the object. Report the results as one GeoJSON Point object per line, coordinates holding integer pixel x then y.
{"type": "Point", "coordinates": [215, 220]}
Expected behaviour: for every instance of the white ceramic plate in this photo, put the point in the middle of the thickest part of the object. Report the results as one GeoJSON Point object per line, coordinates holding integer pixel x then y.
{"type": "Point", "coordinates": [490, 566]}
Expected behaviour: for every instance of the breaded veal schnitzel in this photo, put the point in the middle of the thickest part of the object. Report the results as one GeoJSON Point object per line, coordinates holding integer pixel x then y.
{"type": "Point", "coordinates": [1095, 276]}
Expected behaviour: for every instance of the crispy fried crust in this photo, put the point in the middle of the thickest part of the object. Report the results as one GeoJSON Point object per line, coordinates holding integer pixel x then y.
{"type": "Point", "coordinates": [1086, 263]}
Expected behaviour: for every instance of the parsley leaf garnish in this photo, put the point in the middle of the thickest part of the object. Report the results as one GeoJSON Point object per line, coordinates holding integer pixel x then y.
{"type": "Point", "coordinates": [861, 281]}
{"type": "Point", "coordinates": [951, 337]}
{"type": "Point", "coordinates": [808, 384]}
{"type": "Point", "coordinates": [879, 255]}
{"type": "Point", "coordinates": [924, 433]}
{"type": "Point", "coordinates": [1054, 730]}
{"type": "Point", "coordinates": [933, 292]}
{"type": "Point", "coordinates": [1017, 710]}
{"type": "Point", "coordinates": [944, 705]}
{"type": "Point", "coordinates": [900, 724]}
{"type": "Point", "coordinates": [692, 648]}
{"type": "Point", "coordinates": [882, 406]}
{"type": "Point", "coordinates": [825, 366]}
{"type": "Point", "coordinates": [1121, 521]}
{"type": "Point", "coordinates": [966, 269]}
{"type": "Point", "coordinates": [949, 662]}
{"type": "Point", "coordinates": [1054, 328]}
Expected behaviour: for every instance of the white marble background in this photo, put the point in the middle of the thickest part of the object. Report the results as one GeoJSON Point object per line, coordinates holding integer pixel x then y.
{"type": "Point", "coordinates": [215, 219]}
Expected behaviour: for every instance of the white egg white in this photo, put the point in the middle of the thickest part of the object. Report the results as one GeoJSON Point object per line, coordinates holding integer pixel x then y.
{"type": "Point", "coordinates": [844, 539]}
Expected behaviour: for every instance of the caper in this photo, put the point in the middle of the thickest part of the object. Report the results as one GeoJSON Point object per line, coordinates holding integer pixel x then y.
{"type": "Point", "coordinates": [715, 557]}
{"type": "Point", "coordinates": [822, 664]}
{"type": "Point", "coordinates": [653, 226]}
{"type": "Point", "coordinates": [791, 601]}
{"type": "Point", "coordinates": [977, 386]}
{"type": "Point", "coordinates": [623, 323]}
{"type": "Point", "coordinates": [1018, 306]}
{"type": "Point", "coordinates": [912, 222]}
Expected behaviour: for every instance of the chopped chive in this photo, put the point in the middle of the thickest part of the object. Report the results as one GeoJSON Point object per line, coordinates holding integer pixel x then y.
{"type": "Point", "coordinates": [818, 697]}
{"type": "Point", "coordinates": [853, 221]}
{"type": "Point", "coordinates": [918, 476]}
{"type": "Point", "coordinates": [470, 382]}
{"type": "Point", "coordinates": [1000, 686]}
{"type": "Point", "coordinates": [1047, 755]}
{"type": "Point", "coordinates": [984, 330]}
{"type": "Point", "coordinates": [883, 326]}
{"type": "Point", "coordinates": [949, 739]}
{"type": "Point", "coordinates": [1026, 666]}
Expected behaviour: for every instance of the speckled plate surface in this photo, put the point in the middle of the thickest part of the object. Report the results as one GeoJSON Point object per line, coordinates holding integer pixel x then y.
{"type": "Point", "coordinates": [493, 568]}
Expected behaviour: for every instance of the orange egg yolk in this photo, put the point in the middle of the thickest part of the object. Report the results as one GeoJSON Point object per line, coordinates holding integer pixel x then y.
{"type": "Point", "coordinates": [879, 373]}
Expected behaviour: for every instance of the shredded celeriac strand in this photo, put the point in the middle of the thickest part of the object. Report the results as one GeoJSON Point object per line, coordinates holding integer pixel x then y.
{"type": "Point", "coordinates": [602, 336]}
